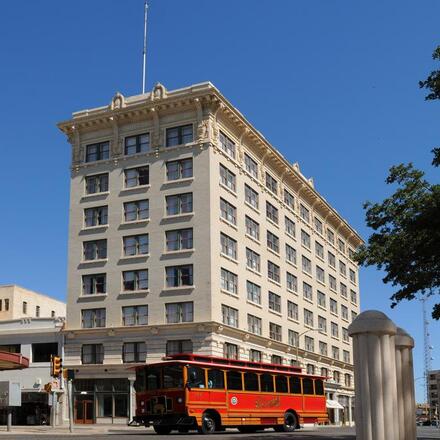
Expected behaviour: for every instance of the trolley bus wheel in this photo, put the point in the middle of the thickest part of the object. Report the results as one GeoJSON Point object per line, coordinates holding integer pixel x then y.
{"type": "Point", "coordinates": [209, 423]}
{"type": "Point", "coordinates": [162, 430]}
{"type": "Point", "coordinates": [290, 423]}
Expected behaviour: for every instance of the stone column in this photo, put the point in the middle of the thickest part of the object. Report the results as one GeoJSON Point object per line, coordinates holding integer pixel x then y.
{"type": "Point", "coordinates": [131, 401]}
{"type": "Point", "coordinates": [406, 407]}
{"type": "Point", "coordinates": [336, 411]}
{"type": "Point", "coordinates": [350, 413]}
{"type": "Point", "coordinates": [373, 336]}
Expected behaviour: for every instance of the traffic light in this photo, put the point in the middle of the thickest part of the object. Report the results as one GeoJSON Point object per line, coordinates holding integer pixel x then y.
{"type": "Point", "coordinates": [55, 366]}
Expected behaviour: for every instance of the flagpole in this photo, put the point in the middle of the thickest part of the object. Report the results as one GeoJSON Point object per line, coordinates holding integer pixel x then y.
{"type": "Point", "coordinates": [144, 52]}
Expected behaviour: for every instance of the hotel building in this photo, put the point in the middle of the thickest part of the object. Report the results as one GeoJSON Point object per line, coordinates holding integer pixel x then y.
{"type": "Point", "coordinates": [190, 232]}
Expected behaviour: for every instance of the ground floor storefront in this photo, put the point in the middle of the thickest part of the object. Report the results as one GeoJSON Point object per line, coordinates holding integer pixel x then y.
{"type": "Point", "coordinates": [34, 410]}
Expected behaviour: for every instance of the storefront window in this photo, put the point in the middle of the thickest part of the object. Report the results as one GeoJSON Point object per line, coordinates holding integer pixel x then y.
{"type": "Point", "coordinates": [121, 405]}
{"type": "Point", "coordinates": [105, 405]}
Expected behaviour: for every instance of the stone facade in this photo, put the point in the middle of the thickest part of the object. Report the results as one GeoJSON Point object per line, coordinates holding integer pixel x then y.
{"type": "Point", "coordinates": [239, 291]}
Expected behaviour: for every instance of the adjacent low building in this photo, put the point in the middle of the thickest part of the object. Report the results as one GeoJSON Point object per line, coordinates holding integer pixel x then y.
{"type": "Point", "coordinates": [434, 393]}
{"type": "Point", "coordinates": [190, 232]}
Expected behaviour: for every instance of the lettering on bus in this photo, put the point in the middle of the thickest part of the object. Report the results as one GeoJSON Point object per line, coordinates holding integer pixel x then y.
{"type": "Point", "coordinates": [262, 403]}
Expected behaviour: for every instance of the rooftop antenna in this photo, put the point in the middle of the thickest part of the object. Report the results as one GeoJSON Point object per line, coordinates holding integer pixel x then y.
{"type": "Point", "coordinates": [144, 52]}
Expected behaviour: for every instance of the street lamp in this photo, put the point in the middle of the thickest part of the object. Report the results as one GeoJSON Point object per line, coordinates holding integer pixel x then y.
{"type": "Point", "coordinates": [301, 334]}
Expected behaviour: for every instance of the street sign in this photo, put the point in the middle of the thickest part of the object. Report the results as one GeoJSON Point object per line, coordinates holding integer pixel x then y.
{"type": "Point", "coordinates": [10, 394]}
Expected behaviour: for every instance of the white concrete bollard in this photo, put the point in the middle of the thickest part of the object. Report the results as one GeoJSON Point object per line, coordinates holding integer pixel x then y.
{"type": "Point", "coordinates": [383, 371]}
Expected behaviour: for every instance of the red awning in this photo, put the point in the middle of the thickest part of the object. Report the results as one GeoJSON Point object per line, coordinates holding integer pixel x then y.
{"type": "Point", "coordinates": [12, 361]}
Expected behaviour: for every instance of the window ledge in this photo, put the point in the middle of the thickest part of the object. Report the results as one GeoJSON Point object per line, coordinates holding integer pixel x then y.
{"type": "Point", "coordinates": [226, 188]}
{"type": "Point", "coordinates": [228, 223]}
{"type": "Point", "coordinates": [323, 332]}
{"type": "Point", "coordinates": [293, 320]}
{"type": "Point", "coordinates": [274, 312]}
{"type": "Point", "coordinates": [135, 292]}
{"type": "Point", "coordinates": [184, 180]}
{"type": "Point", "coordinates": [292, 291]}
{"type": "Point", "coordinates": [254, 304]}
{"type": "Point", "coordinates": [91, 262]}
{"type": "Point", "coordinates": [253, 271]}
{"type": "Point", "coordinates": [136, 222]}
{"type": "Point", "coordinates": [335, 338]}
{"type": "Point", "coordinates": [291, 263]}
{"type": "Point", "coordinates": [226, 292]}
{"type": "Point", "coordinates": [273, 223]}
{"type": "Point", "coordinates": [307, 248]}
{"type": "Point", "coordinates": [177, 216]}
{"type": "Point", "coordinates": [274, 252]}
{"type": "Point", "coordinates": [93, 195]}
{"type": "Point", "coordinates": [134, 257]}
{"type": "Point", "coordinates": [321, 282]}
{"type": "Point", "coordinates": [343, 275]}
{"type": "Point", "coordinates": [135, 188]}
{"type": "Point", "coordinates": [293, 237]}
{"type": "Point", "coordinates": [94, 228]}
{"type": "Point", "coordinates": [253, 239]}
{"type": "Point", "coordinates": [333, 289]}
{"type": "Point", "coordinates": [255, 209]}
{"type": "Point", "coordinates": [227, 257]}
{"type": "Point", "coordinates": [307, 273]}
{"type": "Point", "coordinates": [322, 307]}
{"type": "Point", "coordinates": [333, 313]}
{"type": "Point", "coordinates": [320, 258]}
{"type": "Point", "coordinates": [178, 288]}
{"type": "Point", "coordinates": [274, 282]}
{"type": "Point", "coordinates": [92, 295]}
{"type": "Point", "coordinates": [308, 299]}
{"type": "Point", "coordinates": [179, 251]}
{"type": "Point", "coordinates": [346, 342]}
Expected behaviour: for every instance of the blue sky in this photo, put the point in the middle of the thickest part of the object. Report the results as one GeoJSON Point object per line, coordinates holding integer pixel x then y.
{"type": "Point", "coordinates": [331, 84]}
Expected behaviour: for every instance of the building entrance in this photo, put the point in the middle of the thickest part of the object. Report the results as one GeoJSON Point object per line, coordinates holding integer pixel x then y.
{"type": "Point", "coordinates": [83, 410]}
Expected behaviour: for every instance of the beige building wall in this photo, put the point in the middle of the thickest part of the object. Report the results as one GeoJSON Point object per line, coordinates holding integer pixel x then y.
{"type": "Point", "coordinates": [17, 302]}
{"type": "Point", "coordinates": [211, 117]}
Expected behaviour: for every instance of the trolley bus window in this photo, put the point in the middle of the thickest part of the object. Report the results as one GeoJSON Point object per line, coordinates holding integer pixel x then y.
{"type": "Point", "coordinates": [234, 380]}
{"type": "Point", "coordinates": [216, 379]}
{"type": "Point", "coordinates": [196, 377]}
{"type": "Point", "coordinates": [266, 383]}
{"type": "Point", "coordinates": [281, 384]}
{"type": "Point", "coordinates": [307, 385]}
{"type": "Point", "coordinates": [295, 385]}
{"type": "Point", "coordinates": [139, 385]}
{"type": "Point", "coordinates": [319, 387]}
{"type": "Point", "coordinates": [172, 376]}
{"type": "Point", "coordinates": [250, 381]}
{"type": "Point", "coordinates": [153, 378]}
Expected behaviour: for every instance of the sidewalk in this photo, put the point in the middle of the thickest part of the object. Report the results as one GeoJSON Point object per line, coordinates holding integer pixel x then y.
{"type": "Point", "coordinates": [77, 429]}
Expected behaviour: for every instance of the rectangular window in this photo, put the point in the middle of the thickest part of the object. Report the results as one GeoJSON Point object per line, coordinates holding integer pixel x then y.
{"type": "Point", "coordinates": [96, 216]}
{"type": "Point", "coordinates": [37, 311]}
{"type": "Point", "coordinates": [229, 281]}
{"type": "Point", "coordinates": [345, 336]}
{"type": "Point", "coordinates": [134, 352]}
{"type": "Point", "coordinates": [227, 178]}
{"type": "Point", "coordinates": [342, 268]}
{"type": "Point", "coordinates": [98, 151]}
{"type": "Point", "coordinates": [179, 346]}
{"type": "Point", "coordinates": [341, 246]}
{"type": "Point", "coordinates": [308, 318]}
{"type": "Point", "coordinates": [352, 276]}
{"type": "Point", "coordinates": [292, 310]}
{"type": "Point", "coordinates": [320, 274]}
{"type": "Point", "coordinates": [11, 348]}
{"type": "Point", "coordinates": [275, 331]}
{"type": "Point", "coordinates": [318, 225]}
{"type": "Point", "coordinates": [321, 299]}
{"type": "Point", "coordinates": [335, 330]}
{"type": "Point", "coordinates": [271, 184]}
{"type": "Point", "coordinates": [230, 351]}
{"type": "Point", "coordinates": [347, 379]}
{"type": "Point", "coordinates": [42, 351]}
{"type": "Point", "coordinates": [306, 265]}
{"type": "Point", "coordinates": [309, 343]}
{"type": "Point", "coordinates": [134, 280]}
{"type": "Point", "coordinates": [91, 318]}
{"type": "Point", "coordinates": [94, 284]}
{"type": "Point", "coordinates": [179, 239]}
{"type": "Point", "coordinates": [323, 350]}
{"type": "Point", "coordinates": [335, 353]}
{"type": "Point", "coordinates": [344, 312]}
{"type": "Point", "coordinates": [289, 199]}
{"type": "Point", "coordinates": [331, 260]}
{"type": "Point", "coordinates": [136, 245]}
{"type": "Point", "coordinates": [139, 176]}
{"type": "Point", "coordinates": [252, 228]}
{"type": "Point", "coordinates": [322, 324]}
{"type": "Point", "coordinates": [319, 249]}
{"type": "Point", "coordinates": [137, 144]}
{"type": "Point", "coordinates": [307, 291]}
{"type": "Point", "coordinates": [177, 276]}
{"type": "Point", "coordinates": [333, 306]}
{"type": "Point", "coordinates": [293, 338]}
{"type": "Point", "coordinates": [305, 239]}
{"type": "Point", "coordinates": [343, 289]}
{"type": "Point", "coordinates": [353, 296]}
{"type": "Point", "coordinates": [290, 254]}
{"type": "Point", "coordinates": [179, 312]}
{"type": "Point", "coordinates": [292, 282]}
{"type": "Point", "coordinates": [92, 354]}
{"type": "Point", "coordinates": [251, 166]}
{"type": "Point", "coordinates": [290, 227]}
{"type": "Point", "coordinates": [273, 271]}
{"type": "Point", "coordinates": [332, 282]}
{"type": "Point", "coordinates": [281, 381]}
{"type": "Point", "coordinates": [255, 355]}
{"type": "Point", "coordinates": [330, 236]}
{"type": "Point", "coordinates": [95, 250]}
{"type": "Point", "coordinates": [228, 246]}
{"type": "Point", "coordinates": [271, 212]}
{"type": "Point", "coordinates": [179, 169]}
{"type": "Point", "coordinates": [273, 242]}
{"type": "Point", "coordinates": [6, 304]}
{"type": "Point", "coordinates": [351, 253]}
{"type": "Point", "coordinates": [134, 315]}
{"type": "Point", "coordinates": [254, 324]}
{"type": "Point", "coordinates": [96, 184]}
{"type": "Point", "coordinates": [336, 375]}
{"type": "Point", "coordinates": [251, 196]}
{"type": "Point", "coordinates": [252, 260]}
{"type": "Point", "coordinates": [179, 135]}
{"type": "Point", "coordinates": [274, 302]}
{"type": "Point", "coordinates": [136, 211]}
{"type": "Point", "coordinates": [227, 145]}
{"type": "Point", "coordinates": [253, 292]}
{"type": "Point", "coordinates": [346, 356]}
{"type": "Point", "coordinates": [353, 315]}
{"type": "Point", "coordinates": [179, 204]}
{"type": "Point", "coordinates": [229, 316]}
{"type": "Point", "coordinates": [228, 212]}
{"type": "Point", "coordinates": [304, 213]}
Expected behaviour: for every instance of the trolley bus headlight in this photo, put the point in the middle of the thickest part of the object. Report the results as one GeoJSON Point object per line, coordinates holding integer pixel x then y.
{"type": "Point", "coordinates": [179, 400]}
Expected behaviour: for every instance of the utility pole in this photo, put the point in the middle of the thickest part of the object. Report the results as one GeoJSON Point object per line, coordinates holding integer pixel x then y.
{"type": "Point", "coordinates": [144, 52]}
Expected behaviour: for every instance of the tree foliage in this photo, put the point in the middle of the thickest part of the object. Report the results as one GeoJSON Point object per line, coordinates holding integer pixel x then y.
{"type": "Point", "coordinates": [406, 238]}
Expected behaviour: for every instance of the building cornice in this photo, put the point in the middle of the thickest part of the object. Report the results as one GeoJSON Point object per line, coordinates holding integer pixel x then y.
{"type": "Point", "coordinates": [161, 101]}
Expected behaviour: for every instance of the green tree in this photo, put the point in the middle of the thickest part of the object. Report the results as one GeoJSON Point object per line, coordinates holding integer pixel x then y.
{"type": "Point", "coordinates": [406, 238]}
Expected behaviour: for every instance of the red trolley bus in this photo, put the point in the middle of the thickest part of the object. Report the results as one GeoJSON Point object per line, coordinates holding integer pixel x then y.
{"type": "Point", "coordinates": [189, 391]}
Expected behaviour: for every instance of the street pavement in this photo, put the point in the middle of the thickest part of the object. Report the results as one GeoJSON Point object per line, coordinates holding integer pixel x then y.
{"type": "Point", "coordinates": [139, 433]}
